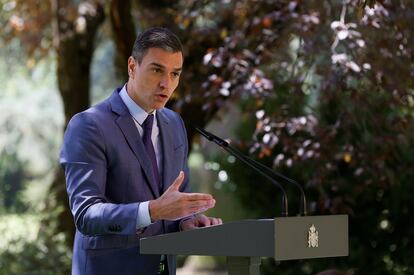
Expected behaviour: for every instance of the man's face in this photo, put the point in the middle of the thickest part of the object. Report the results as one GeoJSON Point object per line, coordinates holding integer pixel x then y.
{"type": "Point", "coordinates": [152, 82]}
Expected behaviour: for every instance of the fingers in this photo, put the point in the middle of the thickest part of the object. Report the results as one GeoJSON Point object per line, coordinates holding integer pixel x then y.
{"type": "Point", "coordinates": [198, 203]}
{"type": "Point", "coordinates": [201, 205]}
{"type": "Point", "coordinates": [195, 207]}
{"type": "Point", "coordinates": [177, 182]}
{"type": "Point", "coordinates": [216, 221]}
{"type": "Point", "coordinates": [198, 196]}
{"type": "Point", "coordinates": [208, 221]}
{"type": "Point", "coordinates": [199, 221]}
{"type": "Point", "coordinates": [196, 210]}
{"type": "Point", "coordinates": [188, 224]}
{"type": "Point", "coordinates": [203, 220]}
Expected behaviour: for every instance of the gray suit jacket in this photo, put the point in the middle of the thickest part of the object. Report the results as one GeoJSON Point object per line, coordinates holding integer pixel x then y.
{"type": "Point", "coordinates": [108, 174]}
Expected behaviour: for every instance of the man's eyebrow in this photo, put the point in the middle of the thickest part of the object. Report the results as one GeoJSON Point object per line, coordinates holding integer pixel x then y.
{"type": "Point", "coordinates": [163, 67]}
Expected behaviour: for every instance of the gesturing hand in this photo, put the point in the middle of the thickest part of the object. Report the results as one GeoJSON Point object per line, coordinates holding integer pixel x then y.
{"type": "Point", "coordinates": [174, 205]}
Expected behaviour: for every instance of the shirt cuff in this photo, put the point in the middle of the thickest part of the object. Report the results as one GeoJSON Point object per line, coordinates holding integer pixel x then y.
{"type": "Point", "coordinates": [143, 216]}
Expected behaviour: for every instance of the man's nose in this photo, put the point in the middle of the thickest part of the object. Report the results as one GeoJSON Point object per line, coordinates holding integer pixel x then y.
{"type": "Point", "coordinates": [165, 83]}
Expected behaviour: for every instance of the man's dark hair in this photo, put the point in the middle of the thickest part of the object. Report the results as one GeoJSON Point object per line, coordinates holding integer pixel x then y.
{"type": "Point", "coordinates": [155, 38]}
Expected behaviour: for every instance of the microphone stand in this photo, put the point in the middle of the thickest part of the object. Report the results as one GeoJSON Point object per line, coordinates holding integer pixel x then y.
{"type": "Point", "coordinates": [303, 205]}
{"type": "Point", "coordinates": [225, 145]}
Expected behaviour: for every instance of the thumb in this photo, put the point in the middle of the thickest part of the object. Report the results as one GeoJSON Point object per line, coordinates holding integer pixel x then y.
{"type": "Point", "coordinates": [177, 182]}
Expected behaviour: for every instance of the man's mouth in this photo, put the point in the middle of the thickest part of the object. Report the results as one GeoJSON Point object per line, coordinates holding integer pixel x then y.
{"type": "Point", "coordinates": [161, 96]}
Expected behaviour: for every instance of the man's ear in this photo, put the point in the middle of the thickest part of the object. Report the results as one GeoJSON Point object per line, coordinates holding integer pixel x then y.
{"type": "Point", "coordinates": [131, 67]}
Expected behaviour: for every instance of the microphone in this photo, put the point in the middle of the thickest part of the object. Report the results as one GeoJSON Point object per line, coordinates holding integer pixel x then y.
{"type": "Point", "coordinates": [226, 146]}
{"type": "Point", "coordinates": [303, 205]}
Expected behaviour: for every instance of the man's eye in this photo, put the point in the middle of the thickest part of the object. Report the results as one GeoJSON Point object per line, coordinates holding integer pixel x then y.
{"type": "Point", "coordinates": [156, 70]}
{"type": "Point", "coordinates": [175, 75]}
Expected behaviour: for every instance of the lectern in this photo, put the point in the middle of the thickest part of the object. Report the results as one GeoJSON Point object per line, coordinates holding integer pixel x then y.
{"type": "Point", "coordinates": [245, 241]}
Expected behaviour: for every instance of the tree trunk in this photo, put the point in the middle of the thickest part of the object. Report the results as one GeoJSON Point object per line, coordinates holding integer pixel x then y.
{"type": "Point", "coordinates": [74, 29]}
{"type": "Point", "coordinates": [123, 33]}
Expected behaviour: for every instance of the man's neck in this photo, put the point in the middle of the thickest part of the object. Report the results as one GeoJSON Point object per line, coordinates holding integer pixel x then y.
{"type": "Point", "coordinates": [130, 94]}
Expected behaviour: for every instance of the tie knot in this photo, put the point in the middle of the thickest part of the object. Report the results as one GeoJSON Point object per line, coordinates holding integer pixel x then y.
{"type": "Point", "coordinates": [147, 125]}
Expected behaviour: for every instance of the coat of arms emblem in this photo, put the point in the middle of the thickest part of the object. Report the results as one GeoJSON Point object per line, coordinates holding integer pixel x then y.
{"type": "Point", "coordinates": [313, 237]}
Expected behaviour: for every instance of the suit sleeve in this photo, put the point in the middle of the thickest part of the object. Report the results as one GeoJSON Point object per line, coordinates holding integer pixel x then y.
{"type": "Point", "coordinates": [83, 158]}
{"type": "Point", "coordinates": [185, 186]}
{"type": "Point", "coordinates": [186, 170]}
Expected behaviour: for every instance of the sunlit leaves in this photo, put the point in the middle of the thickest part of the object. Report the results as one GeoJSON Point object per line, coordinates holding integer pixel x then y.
{"type": "Point", "coordinates": [30, 23]}
{"type": "Point", "coordinates": [328, 90]}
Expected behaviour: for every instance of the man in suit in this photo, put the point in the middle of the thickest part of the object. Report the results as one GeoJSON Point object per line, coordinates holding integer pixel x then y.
{"type": "Point", "coordinates": [125, 162]}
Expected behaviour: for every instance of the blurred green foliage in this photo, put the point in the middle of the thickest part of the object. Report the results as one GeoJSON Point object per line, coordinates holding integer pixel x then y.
{"type": "Point", "coordinates": [31, 130]}
{"type": "Point", "coordinates": [31, 124]}
{"type": "Point", "coordinates": [11, 183]}
{"type": "Point", "coordinates": [30, 247]}
{"type": "Point", "coordinates": [326, 97]}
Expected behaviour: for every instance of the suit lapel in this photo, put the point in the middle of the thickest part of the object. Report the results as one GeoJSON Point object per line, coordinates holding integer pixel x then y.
{"type": "Point", "coordinates": [134, 140]}
{"type": "Point", "coordinates": [167, 149]}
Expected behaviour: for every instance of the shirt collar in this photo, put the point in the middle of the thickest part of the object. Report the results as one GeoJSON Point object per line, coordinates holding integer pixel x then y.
{"type": "Point", "coordinates": [134, 109]}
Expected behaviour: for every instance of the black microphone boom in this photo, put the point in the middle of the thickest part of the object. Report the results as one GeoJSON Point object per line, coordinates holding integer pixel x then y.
{"type": "Point", "coordinates": [221, 142]}
{"type": "Point", "coordinates": [303, 205]}
{"type": "Point", "coordinates": [226, 146]}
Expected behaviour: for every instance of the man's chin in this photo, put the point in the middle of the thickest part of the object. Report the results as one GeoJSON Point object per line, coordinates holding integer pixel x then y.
{"type": "Point", "coordinates": [159, 106]}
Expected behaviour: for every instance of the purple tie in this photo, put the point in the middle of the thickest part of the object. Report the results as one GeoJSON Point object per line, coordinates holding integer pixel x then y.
{"type": "Point", "coordinates": [147, 125]}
